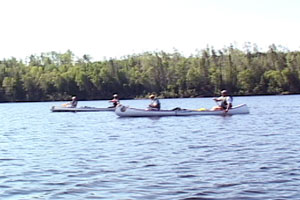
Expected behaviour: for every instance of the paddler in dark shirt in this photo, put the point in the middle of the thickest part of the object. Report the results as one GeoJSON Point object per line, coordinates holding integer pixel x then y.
{"type": "Point", "coordinates": [72, 104]}
{"type": "Point", "coordinates": [115, 101]}
{"type": "Point", "coordinates": [155, 104]}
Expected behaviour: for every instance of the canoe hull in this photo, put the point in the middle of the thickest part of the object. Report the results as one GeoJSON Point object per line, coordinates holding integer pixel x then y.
{"type": "Point", "coordinates": [124, 111]}
{"type": "Point", "coordinates": [80, 109]}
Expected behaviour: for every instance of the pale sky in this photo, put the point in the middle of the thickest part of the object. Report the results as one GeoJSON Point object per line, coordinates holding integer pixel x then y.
{"type": "Point", "coordinates": [116, 28]}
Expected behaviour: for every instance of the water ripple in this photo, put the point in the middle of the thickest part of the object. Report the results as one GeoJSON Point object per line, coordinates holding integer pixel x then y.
{"type": "Point", "coordinates": [46, 155]}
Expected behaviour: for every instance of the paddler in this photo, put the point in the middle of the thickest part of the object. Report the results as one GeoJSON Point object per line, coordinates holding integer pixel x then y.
{"type": "Point", "coordinates": [226, 101]}
{"type": "Point", "coordinates": [115, 101]}
{"type": "Point", "coordinates": [155, 104]}
{"type": "Point", "coordinates": [72, 104]}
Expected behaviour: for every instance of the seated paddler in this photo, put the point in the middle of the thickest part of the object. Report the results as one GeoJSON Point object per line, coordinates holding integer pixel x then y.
{"type": "Point", "coordinates": [115, 101]}
{"type": "Point", "coordinates": [155, 104]}
{"type": "Point", "coordinates": [71, 104]}
{"type": "Point", "coordinates": [226, 101]}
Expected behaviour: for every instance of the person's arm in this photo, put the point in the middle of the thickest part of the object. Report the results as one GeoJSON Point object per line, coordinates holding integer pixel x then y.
{"type": "Point", "coordinates": [155, 104]}
{"type": "Point", "coordinates": [217, 99]}
{"type": "Point", "coordinates": [227, 108]}
{"type": "Point", "coordinates": [229, 104]}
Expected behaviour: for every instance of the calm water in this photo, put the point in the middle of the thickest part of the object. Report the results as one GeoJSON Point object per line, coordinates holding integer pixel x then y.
{"type": "Point", "coordinates": [46, 155]}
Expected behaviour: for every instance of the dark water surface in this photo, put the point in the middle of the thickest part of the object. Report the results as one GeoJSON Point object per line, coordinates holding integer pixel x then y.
{"type": "Point", "coordinates": [46, 155]}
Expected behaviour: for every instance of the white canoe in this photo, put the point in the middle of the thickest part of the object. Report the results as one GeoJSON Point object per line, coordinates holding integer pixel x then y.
{"type": "Point", "coordinates": [124, 111]}
{"type": "Point", "coordinates": [79, 109]}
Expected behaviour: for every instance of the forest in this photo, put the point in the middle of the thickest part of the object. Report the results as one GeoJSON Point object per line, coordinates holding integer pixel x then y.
{"type": "Point", "coordinates": [57, 76]}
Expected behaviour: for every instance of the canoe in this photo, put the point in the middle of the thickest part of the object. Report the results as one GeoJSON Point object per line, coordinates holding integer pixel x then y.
{"type": "Point", "coordinates": [125, 111]}
{"type": "Point", "coordinates": [79, 109]}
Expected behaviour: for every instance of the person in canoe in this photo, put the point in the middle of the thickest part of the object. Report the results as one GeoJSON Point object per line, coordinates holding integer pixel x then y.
{"type": "Point", "coordinates": [226, 101]}
{"type": "Point", "coordinates": [155, 104]}
{"type": "Point", "coordinates": [115, 101]}
{"type": "Point", "coordinates": [72, 104]}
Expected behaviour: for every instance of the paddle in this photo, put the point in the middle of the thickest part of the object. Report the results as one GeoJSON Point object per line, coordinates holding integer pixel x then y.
{"type": "Point", "coordinates": [216, 101]}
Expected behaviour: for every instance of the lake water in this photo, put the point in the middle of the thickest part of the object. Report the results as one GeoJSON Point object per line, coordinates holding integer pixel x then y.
{"type": "Point", "coordinates": [98, 155]}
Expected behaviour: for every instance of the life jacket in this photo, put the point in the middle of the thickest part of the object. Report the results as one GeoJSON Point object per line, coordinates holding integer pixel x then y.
{"type": "Point", "coordinates": [157, 104]}
{"type": "Point", "coordinates": [115, 102]}
{"type": "Point", "coordinates": [224, 102]}
{"type": "Point", "coordinates": [74, 104]}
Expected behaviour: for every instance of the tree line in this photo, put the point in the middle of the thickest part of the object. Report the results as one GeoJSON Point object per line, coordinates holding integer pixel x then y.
{"type": "Point", "coordinates": [57, 76]}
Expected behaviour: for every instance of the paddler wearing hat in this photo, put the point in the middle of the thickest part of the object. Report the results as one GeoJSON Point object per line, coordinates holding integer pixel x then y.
{"type": "Point", "coordinates": [155, 104]}
{"type": "Point", "coordinates": [226, 101]}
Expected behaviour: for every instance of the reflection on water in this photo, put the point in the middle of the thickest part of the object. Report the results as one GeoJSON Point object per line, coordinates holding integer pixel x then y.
{"type": "Point", "coordinates": [46, 155]}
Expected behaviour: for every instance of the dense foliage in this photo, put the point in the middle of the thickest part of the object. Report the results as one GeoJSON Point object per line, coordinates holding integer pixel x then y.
{"type": "Point", "coordinates": [55, 76]}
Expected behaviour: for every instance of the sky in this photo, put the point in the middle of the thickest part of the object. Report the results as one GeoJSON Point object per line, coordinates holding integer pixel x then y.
{"type": "Point", "coordinates": [116, 28]}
